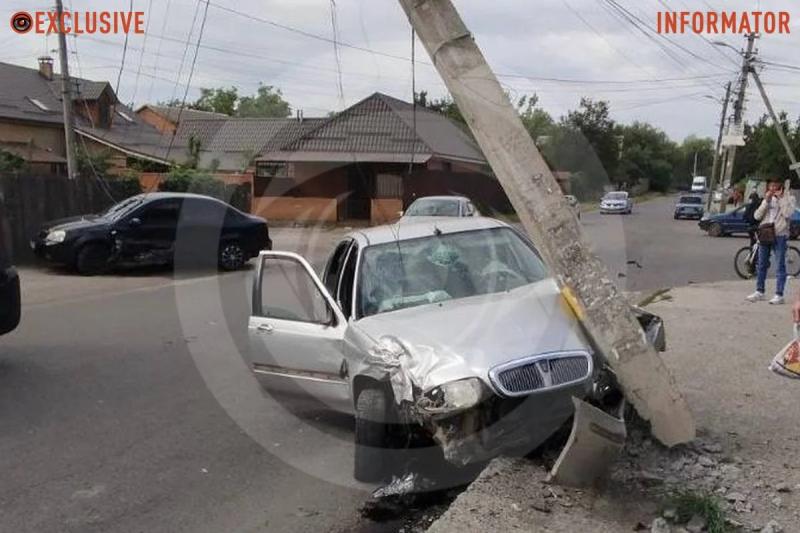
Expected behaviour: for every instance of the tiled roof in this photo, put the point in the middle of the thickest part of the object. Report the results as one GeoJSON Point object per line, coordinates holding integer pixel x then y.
{"type": "Point", "coordinates": [172, 113]}
{"type": "Point", "coordinates": [383, 125]}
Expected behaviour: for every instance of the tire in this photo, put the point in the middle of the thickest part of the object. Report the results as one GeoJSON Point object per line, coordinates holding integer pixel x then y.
{"type": "Point", "coordinates": [676, 217]}
{"type": "Point", "coordinates": [231, 256]}
{"type": "Point", "coordinates": [740, 263]}
{"type": "Point", "coordinates": [92, 259]}
{"type": "Point", "coordinates": [793, 261]}
{"type": "Point", "coordinates": [372, 435]}
{"type": "Point", "coordinates": [715, 230]}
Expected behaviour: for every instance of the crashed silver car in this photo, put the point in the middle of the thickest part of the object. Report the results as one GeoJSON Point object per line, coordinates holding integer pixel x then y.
{"type": "Point", "coordinates": [452, 330]}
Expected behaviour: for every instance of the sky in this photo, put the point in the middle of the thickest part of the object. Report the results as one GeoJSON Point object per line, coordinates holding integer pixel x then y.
{"type": "Point", "coordinates": [561, 50]}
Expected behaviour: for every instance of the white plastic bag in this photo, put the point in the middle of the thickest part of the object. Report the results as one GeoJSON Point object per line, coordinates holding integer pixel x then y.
{"type": "Point", "coordinates": [786, 363]}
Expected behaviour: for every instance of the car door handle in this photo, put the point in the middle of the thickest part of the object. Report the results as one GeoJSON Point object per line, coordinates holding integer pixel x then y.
{"type": "Point", "coordinates": [265, 328]}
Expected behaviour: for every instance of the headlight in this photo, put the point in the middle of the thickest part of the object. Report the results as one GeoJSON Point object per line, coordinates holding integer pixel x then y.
{"type": "Point", "coordinates": [55, 237]}
{"type": "Point", "coordinates": [454, 396]}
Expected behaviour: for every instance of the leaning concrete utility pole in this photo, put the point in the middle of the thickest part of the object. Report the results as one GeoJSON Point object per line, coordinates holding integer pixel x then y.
{"type": "Point", "coordinates": [546, 216]}
{"type": "Point", "coordinates": [778, 126]}
{"type": "Point", "coordinates": [66, 98]}
{"type": "Point", "coordinates": [738, 114]}
{"type": "Point", "coordinates": [715, 166]}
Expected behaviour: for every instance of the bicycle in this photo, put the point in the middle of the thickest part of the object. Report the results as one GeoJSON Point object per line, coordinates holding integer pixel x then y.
{"type": "Point", "coordinates": [746, 261]}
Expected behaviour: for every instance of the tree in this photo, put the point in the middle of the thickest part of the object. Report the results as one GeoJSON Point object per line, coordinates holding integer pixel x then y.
{"type": "Point", "coordinates": [445, 105]}
{"type": "Point", "coordinates": [536, 120]}
{"type": "Point", "coordinates": [647, 154]}
{"type": "Point", "coordinates": [10, 162]}
{"type": "Point", "coordinates": [684, 159]}
{"type": "Point", "coordinates": [267, 102]}
{"type": "Point", "coordinates": [217, 100]}
{"type": "Point", "coordinates": [593, 120]}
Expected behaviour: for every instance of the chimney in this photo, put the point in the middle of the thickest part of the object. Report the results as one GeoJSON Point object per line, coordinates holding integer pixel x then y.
{"type": "Point", "coordinates": [46, 67]}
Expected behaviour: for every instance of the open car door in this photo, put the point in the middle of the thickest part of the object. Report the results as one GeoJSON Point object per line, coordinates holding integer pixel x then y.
{"type": "Point", "coordinates": [296, 332]}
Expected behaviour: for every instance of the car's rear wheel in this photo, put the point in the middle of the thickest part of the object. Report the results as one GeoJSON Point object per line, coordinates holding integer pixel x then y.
{"type": "Point", "coordinates": [715, 229]}
{"type": "Point", "coordinates": [231, 256]}
{"type": "Point", "coordinates": [372, 434]}
{"type": "Point", "coordinates": [92, 259]}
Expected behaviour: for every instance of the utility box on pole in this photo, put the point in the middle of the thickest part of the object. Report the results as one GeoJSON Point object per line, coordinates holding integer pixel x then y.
{"type": "Point", "coordinates": [546, 216]}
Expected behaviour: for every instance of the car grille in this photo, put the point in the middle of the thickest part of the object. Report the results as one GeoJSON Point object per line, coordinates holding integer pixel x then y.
{"type": "Point", "coordinates": [541, 373]}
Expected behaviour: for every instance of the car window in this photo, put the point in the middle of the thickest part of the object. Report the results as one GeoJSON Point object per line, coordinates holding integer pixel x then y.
{"type": "Point", "coordinates": [437, 268]}
{"type": "Point", "coordinates": [119, 210]}
{"type": "Point", "coordinates": [163, 213]}
{"type": "Point", "coordinates": [203, 211]}
{"type": "Point", "coordinates": [433, 208]}
{"type": "Point", "coordinates": [616, 196]}
{"type": "Point", "coordinates": [470, 209]}
{"type": "Point", "coordinates": [289, 293]}
{"type": "Point", "coordinates": [690, 200]}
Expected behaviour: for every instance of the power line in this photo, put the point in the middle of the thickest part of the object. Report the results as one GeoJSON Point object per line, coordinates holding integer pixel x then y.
{"type": "Point", "coordinates": [124, 53]}
{"type": "Point", "coordinates": [141, 56]}
{"type": "Point", "coordinates": [191, 73]}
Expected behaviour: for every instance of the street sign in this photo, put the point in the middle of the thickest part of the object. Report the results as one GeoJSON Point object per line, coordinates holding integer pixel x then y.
{"type": "Point", "coordinates": [733, 140]}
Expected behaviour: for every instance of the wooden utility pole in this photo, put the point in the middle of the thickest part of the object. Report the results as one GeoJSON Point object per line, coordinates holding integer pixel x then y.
{"type": "Point", "coordinates": [738, 114]}
{"type": "Point", "coordinates": [66, 98]}
{"type": "Point", "coordinates": [546, 216]}
{"type": "Point", "coordinates": [715, 166]}
{"type": "Point", "coordinates": [776, 121]}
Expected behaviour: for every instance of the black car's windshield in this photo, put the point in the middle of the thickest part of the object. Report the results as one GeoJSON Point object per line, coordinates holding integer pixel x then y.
{"type": "Point", "coordinates": [426, 270]}
{"type": "Point", "coordinates": [117, 211]}
{"type": "Point", "coordinates": [690, 200]}
{"type": "Point", "coordinates": [433, 208]}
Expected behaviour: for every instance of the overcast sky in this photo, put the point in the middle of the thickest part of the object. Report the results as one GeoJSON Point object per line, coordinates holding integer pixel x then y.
{"type": "Point", "coordinates": [524, 41]}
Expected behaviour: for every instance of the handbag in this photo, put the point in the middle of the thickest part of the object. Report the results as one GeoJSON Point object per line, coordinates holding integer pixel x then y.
{"type": "Point", "coordinates": [766, 233]}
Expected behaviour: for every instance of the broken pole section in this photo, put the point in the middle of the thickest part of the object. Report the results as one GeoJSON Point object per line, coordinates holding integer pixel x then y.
{"type": "Point", "coordinates": [545, 215]}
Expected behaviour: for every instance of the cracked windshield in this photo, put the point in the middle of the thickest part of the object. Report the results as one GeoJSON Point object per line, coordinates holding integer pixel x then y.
{"type": "Point", "coordinates": [368, 266]}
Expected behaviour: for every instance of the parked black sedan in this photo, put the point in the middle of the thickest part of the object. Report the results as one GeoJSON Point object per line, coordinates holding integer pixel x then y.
{"type": "Point", "coordinates": [155, 229]}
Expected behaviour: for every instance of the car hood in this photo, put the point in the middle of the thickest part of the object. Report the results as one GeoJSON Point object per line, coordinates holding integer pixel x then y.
{"type": "Point", "coordinates": [75, 223]}
{"type": "Point", "coordinates": [466, 337]}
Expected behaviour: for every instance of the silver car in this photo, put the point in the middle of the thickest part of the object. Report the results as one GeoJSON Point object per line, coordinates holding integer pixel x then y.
{"type": "Point", "coordinates": [440, 206]}
{"type": "Point", "coordinates": [450, 330]}
{"type": "Point", "coordinates": [616, 202]}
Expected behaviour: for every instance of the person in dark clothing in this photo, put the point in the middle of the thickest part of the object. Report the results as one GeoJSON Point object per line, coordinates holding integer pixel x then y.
{"type": "Point", "coordinates": [750, 218]}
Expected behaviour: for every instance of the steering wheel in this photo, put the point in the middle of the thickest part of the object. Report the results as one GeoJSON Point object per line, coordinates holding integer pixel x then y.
{"type": "Point", "coordinates": [502, 276]}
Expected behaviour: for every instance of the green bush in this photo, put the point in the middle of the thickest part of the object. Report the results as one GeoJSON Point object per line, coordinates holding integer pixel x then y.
{"type": "Point", "coordinates": [123, 187]}
{"type": "Point", "coordinates": [183, 179]}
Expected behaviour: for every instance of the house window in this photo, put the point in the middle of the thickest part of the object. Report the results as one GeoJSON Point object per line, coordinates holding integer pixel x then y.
{"type": "Point", "coordinates": [271, 169]}
{"type": "Point", "coordinates": [39, 104]}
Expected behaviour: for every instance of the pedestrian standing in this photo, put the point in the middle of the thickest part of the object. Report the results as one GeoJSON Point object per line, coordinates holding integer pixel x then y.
{"type": "Point", "coordinates": [774, 216]}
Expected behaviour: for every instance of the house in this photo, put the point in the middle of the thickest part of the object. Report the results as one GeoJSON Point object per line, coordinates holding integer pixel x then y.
{"type": "Point", "coordinates": [166, 118]}
{"type": "Point", "coordinates": [31, 122]}
{"type": "Point", "coordinates": [369, 162]}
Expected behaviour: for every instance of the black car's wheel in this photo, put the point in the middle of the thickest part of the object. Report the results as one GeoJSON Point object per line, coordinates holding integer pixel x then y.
{"type": "Point", "coordinates": [715, 230]}
{"type": "Point", "coordinates": [92, 259]}
{"type": "Point", "coordinates": [231, 256]}
{"type": "Point", "coordinates": [676, 217]}
{"type": "Point", "coordinates": [372, 434]}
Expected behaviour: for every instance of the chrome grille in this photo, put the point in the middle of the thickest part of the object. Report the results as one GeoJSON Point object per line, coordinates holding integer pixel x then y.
{"type": "Point", "coordinates": [532, 374]}
{"type": "Point", "coordinates": [569, 369]}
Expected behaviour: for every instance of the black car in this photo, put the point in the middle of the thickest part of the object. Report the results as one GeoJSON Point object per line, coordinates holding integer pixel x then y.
{"type": "Point", "coordinates": [155, 229]}
{"type": "Point", "coordinates": [9, 281]}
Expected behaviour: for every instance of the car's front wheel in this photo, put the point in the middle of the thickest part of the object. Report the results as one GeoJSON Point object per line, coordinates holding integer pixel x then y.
{"type": "Point", "coordinates": [372, 434]}
{"type": "Point", "coordinates": [92, 259]}
{"type": "Point", "coordinates": [715, 230]}
{"type": "Point", "coordinates": [231, 256]}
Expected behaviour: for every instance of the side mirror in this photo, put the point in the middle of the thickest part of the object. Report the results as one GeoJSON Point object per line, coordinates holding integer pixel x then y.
{"type": "Point", "coordinates": [135, 222]}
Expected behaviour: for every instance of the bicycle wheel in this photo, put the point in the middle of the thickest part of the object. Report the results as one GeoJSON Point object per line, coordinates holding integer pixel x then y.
{"type": "Point", "coordinates": [746, 268]}
{"type": "Point", "coordinates": [793, 261]}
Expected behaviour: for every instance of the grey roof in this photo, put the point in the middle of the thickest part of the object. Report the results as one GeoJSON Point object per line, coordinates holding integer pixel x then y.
{"type": "Point", "coordinates": [232, 143]}
{"type": "Point", "coordinates": [382, 128]}
{"type": "Point", "coordinates": [172, 113]}
{"type": "Point", "coordinates": [20, 86]}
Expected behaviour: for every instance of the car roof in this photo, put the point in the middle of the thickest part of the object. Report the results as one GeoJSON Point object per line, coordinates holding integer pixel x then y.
{"type": "Point", "coordinates": [442, 197]}
{"type": "Point", "coordinates": [427, 226]}
{"type": "Point", "coordinates": [151, 196]}
{"type": "Point", "coordinates": [617, 192]}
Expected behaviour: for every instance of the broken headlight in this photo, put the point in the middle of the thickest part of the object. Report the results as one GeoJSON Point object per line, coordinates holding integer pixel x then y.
{"type": "Point", "coordinates": [454, 396]}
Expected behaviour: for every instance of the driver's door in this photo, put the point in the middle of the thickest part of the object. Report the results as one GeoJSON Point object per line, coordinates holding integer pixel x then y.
{"type": "Point", "coordinates": [296, 332]}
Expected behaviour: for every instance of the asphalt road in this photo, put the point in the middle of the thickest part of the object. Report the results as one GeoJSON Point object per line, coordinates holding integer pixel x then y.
{"type": "Point", "coordinates": [125, 405]}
